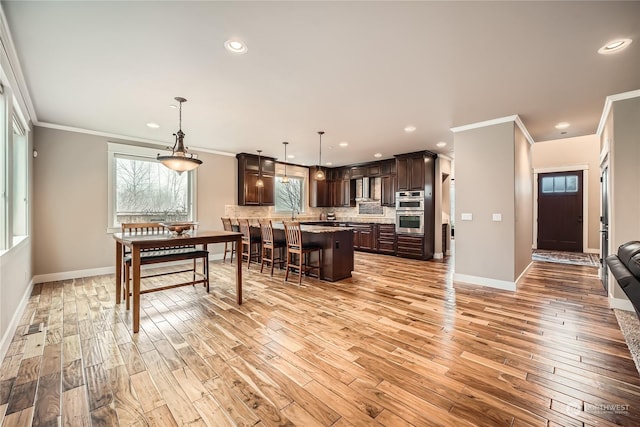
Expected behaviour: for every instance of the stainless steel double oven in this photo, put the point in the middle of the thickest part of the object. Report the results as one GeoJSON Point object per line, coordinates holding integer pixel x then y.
{"type": "Point", "coordinates": [410, 212]}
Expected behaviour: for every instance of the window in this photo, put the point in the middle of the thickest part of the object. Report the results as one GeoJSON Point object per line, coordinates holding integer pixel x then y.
{"type": "Point", "coordinates": [560, 184]}
{"type": "Point", "coordinates": [19, 195]}
{"type": "Point", "coordinates": [290, 197]}
{"type": "Point", "coordinates": [4, 176]}
{"type": "Point", "coordinates": [141, 189]}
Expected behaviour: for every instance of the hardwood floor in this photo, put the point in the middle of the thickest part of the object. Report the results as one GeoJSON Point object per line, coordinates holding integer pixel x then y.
{"type": "Point", "coordinates": [396, 345]}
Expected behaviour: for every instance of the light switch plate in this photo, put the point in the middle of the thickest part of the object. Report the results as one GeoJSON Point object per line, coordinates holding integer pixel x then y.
{"type": "Point", "coordinates": [467, 217]}
{"type": "Point", "coordinates": [497, 217]}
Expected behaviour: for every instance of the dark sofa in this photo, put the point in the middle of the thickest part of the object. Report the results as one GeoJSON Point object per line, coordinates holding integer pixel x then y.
{"type": "Point", "coordinates": [625, 267]}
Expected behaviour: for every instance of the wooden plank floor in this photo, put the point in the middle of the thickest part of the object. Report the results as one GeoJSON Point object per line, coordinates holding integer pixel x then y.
{"type": "Point", "coordinates": [396, 345]}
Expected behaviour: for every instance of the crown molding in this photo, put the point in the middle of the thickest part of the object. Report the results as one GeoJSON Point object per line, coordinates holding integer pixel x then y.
{"type": "Point", "coordinates": [515, 118]}
{"type": "Point", "coordinates": [127, 138]}
{"type": "Point", "coordinates": [13, 72]}
{"type": "Point", "coordinates": [609, 102]}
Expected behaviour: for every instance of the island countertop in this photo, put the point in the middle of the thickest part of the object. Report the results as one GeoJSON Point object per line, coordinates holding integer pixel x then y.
{"type": "Point", "coordinates": [315, 228]}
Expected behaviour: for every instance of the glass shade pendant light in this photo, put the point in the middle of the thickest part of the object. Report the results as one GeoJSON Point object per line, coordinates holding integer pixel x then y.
{"type": "Point", "coordinates": [320, 176]}
{"type": "Point", "coordinates": [180, 160]}
{"type": "Point", "coordinates": [285, 178]}
{"type": "Point", "coordinates": [259, 182]}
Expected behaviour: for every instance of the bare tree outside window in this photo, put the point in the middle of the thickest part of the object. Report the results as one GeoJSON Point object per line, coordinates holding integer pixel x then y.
{"type": "Point", "coordinates": [147, 191]}
{"type": "Point", "coordinates": [290, 197]}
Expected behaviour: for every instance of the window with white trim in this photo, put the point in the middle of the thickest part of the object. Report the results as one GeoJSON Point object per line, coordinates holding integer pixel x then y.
{"type": "Point", "coordinates": [141, 189]}
{"type": "Point", "coordinates": [20, 183]}
{"type": "Point", "coordinates": [4, 174]}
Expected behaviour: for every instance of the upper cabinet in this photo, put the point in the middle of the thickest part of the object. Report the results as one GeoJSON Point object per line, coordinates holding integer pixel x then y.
{"type": "Point", "coordinates": [249, 170]}
{"type": "Point", "coordinates": [413, 170]}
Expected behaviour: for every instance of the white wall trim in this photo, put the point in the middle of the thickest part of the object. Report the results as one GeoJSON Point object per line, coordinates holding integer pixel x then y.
{"type": "Point", "coordinates": [485, 281]}
{"type": "Point", "coordinates": [524, 272]}
{"type": "Point", "coordinates": [101, 271]}
{"type": "Point", "coordinates": [76, 274]}
{"type": "Point", "coordinates": [438, 255]}
{"type": "Point", "coordinates": [5, 341]}
{"type": "Point", "coordinates": [621, 303]}
{"type": "Point", "coordinates": [161, 145]}
{"type": "Point", "coordinates": [515, 118]}
{"type": "Point", "coordinates": [592, 251]}
{"type": "Point", "coordinates": [585, 202]}
{"type": "Point", "coordinates": [609, 102]}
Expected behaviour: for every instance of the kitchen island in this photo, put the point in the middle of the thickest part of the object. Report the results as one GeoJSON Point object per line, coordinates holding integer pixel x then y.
{"type": "Point", "coordinates": [337, 248]}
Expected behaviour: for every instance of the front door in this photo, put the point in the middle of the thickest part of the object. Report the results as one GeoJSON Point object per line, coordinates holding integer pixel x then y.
{"type": "Point", "coordinates": [560, 211]}
{"type": "Point", "coordinates": [604, 231]}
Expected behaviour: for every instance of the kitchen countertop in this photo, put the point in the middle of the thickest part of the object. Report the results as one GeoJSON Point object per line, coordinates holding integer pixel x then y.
{"type": "Point", "coordinates": [314, 228]}
{"type": "Point", "coordinates": [340, 221]}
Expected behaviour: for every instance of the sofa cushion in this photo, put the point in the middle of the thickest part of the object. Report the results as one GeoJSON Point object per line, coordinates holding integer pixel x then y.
{"type": "Point", "coordinates": [628, 250]}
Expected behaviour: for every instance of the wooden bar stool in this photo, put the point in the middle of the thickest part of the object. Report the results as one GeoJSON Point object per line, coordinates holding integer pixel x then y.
{"type": "Point", "coordinates": [226, 225]}
{"type": "Point", "coordinates": [298, 255]}
{"type": "Point", "coordinates": [270, 246]}
{"type": "Point", "coordinates": [250, 244]}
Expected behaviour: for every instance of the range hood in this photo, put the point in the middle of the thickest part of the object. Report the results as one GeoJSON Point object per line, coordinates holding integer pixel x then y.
{"type": "Point", "coordinates": [367, 189]}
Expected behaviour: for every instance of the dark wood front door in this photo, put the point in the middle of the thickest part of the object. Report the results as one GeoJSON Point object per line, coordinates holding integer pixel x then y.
{"type": "Point", "coordinates": [560, 211]}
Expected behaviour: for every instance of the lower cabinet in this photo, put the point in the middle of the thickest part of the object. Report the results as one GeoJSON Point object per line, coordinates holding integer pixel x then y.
{"type": "Point", "coordinates": [386, 238]}
{"type": "Point", "coordinates": [363, 237]}
{"type": "Point", "coordinates": [410, 246]}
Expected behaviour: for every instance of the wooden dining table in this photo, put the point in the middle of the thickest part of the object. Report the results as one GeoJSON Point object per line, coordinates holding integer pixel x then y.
{"type": "Point", "coordinates": [138, 242]}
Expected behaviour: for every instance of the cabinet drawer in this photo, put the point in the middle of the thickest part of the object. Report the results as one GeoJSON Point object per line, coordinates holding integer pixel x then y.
{"type": "Point", "coordinates": [412, 246]}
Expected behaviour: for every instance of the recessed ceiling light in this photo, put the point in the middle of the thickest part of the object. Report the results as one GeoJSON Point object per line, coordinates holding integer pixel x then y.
{"type": "Point", "coordinates": [377, 155]}
{"type": "Point", "coordinates": [614, 46]}
{"type": "Point", "coordinates": [235, 46]}
{"type": "Point", "coordinates": [173, 106]}
{"type": "Point", "coordinates": [344, 144]}
{"type": "Point", "coordinates": [441, 144]}
{"type": "Point", "coordinates": [410, 129]}
{"type": "Point", "coordinates": [563, 125]}
{"type": "Point", "coordinates": [153, 125]}
{"type": "Point", "coordinates": [291, 156]}
{"type": "Point", "coordinates": [328, 164]}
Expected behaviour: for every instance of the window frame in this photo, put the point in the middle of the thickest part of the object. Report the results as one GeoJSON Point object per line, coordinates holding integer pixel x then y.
{"type": "Point", "coordinates": [115, 149]}
{"type": "Point", "coordinates": [296, 172]}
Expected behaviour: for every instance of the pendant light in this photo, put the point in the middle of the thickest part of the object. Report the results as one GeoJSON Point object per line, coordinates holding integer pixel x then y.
{"type": "Point", "coordinates": [180, 160]}
{"type": "Point", "coordinates": [320, 176]}
{"type": "Point", "coordinates": [285, 178]}
{"type": "Point", "coordinates": [259, 182]}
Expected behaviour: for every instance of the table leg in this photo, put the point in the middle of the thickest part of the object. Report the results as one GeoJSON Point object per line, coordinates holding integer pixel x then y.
{"type": "Point", "coordinates": [118, 273]}
{"type": "Point", "coordinates": [239, 272]}
{"type": "Point", "coordinates": [135, 266]}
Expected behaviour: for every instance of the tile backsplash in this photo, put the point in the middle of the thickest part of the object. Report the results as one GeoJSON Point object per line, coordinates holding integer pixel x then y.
{"type": "Point", "coordinates": [364, 211]}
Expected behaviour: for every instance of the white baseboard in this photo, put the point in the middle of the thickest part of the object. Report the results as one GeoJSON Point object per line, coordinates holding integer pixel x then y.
{"type": "Point", "coordinates": [524, 272]}
{"type": "Point", "coordinates": [592, 251]}
{"type": "Point", "coordinates": [5, 341]}
{"type": "Point", "coordinates": [485, 281]}
{"type": "Point", "coordinates": [438, 255]}
{"type": "Point", "coordinates": [621, 303]}
{"type": "Point", "coordinates": [67, 275]}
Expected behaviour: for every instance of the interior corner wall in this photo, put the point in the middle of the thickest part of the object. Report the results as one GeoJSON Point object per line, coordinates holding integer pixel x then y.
{"type": "Point", "coordinates": [523, 202]}
{"type": "Point", "coordinates": [624, 219]}
{"type": "Point", "coordinates": [582, 150]}
{"type": "Point", "coordinates": [484, 186]}
{"type": "Point", "coordinates": [70, 203]}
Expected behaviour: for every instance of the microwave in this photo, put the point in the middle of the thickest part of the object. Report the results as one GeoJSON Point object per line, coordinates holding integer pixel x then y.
{"type": "Point", "coordinates": [410, 200]}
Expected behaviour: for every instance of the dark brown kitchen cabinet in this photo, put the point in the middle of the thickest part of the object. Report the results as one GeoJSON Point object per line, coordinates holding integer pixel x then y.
{"type": "Point", "coordinates": [320, 191]}
{"type": "Point", "coordinates": [386, 238]}
{"type": "Point", "coordinates": [410, 170]}
{"type": "Point", "coordinates": [363, 236]}
{"type": "Point", "coordinates": [410, 246]}
{"type": "Point", "coordinates": [249, 170]}
{"type": "Point", "coordinates": [388, 190]}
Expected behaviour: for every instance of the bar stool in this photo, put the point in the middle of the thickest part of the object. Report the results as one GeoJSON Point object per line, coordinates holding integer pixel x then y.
{"type": "Point", "coordinates": [270, 246]}
{"type": "Point", "coordinates": [226, 225]}
{"type": "Point", "coordinates": [298, 255]}
{"type": "Point", "coordinates": [250, 244]}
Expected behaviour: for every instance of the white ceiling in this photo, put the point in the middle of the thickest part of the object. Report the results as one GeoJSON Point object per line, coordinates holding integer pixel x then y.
{"type": "Point", "coordinates": [361, 71]}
